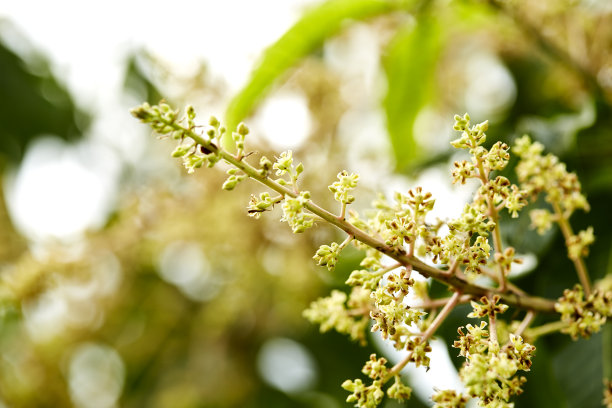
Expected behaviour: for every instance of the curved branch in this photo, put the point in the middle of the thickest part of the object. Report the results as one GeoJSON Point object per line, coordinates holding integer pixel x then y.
{"type": "Point", "coordinates": [400, 255]}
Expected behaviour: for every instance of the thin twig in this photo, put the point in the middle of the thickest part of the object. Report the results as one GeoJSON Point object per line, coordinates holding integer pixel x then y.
{"type": "Point", "coordinates": [539, 331]}
{"type": "Point", "coordinates": [493, 330]}
{"type": "Point", "coordinates": [525, 323]}
{"type": "Point", "coordinates": [450, 305]}
{"type": "Point", "coordinates": [436, 303]}
{"type": "Point", "coordinates": [566, 229]}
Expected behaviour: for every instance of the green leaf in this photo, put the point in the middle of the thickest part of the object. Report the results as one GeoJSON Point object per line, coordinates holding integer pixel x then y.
{"type": "Point", "coordinates": [542, 388]}
{"type": "Point", "coordinates": [33, 102]}
{"type": "Point", "coordinates": [410, 66]}
{"type": "Point", "coordinates": [303, 38]}
{"type": "Point", "coordinates": [578, 368]}
{"type": "Point", "coordinates": [606, 359]}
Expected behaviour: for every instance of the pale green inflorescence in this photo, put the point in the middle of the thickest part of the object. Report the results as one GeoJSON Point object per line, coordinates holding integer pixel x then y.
{"type": "Point", "coordinates": [541, 173]}
{"type": "Point", "coordinates": [578, 245]}
{"type": "Point", "coordinates": [370, 396]}
{"type": "Point", "coordinates": [327, 255]}
{"type": "Point", "coordinates": [258, 205]}
{"type": "Point", "coordinates": [343, 186]}
{"type": "Point", "coordinates": [284, 167]}
{"type": "Point", "coordinates": [584, 316]}
{"type": "Point", "coordinates": [489, 372]}
{"type": "Point", "coordinates": [395, 232]}
{"type": "Point", "coordinates": [332, 312]}
{"type": "Point", "coordinates": [295, 214]}
{"type": "Point", "coordinates": [449, 399]}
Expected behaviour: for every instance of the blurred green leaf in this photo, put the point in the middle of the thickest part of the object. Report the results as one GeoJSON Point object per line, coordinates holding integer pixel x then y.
{"type": "Point", "coordinates": [606, 338]}
{"type": "Point", "coordinates": [33, 103]}
{"type": "Point", "coordinates": [542, 388]}
{"type": "Point", "coordinates": [304, 37]}
{"type": "Point", "coordinates": [410, 69]}
{"type": "Point", "coordinates": [138, 81]}
{"type": "Point", "coordinates": [578, 368]}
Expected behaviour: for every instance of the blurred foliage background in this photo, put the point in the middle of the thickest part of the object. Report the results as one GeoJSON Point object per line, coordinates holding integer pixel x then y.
{"type": "Point", "coordinates": [180, 300]}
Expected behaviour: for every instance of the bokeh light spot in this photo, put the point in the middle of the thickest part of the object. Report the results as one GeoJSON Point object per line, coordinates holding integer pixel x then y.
{"type": "Point", "coordinates": [286, 365]}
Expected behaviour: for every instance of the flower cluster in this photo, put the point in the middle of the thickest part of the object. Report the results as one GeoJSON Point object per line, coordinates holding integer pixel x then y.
{"type": "Point", "coordinates": [471, 136]}
{"type": "Point", "coordinates": [370, 396]}
{"type": "Point", "coordinates": [578, 245]}
{"type": "Point", "coordinates": [343, 186]}
{"type": "Point", "coordinates": [540, 173]}
{"type": "Point", "coordinates": [258, 205]}
{"type": "Point", "coordinates": [195, 149]}
{"type": "Point", "coordinates": [456, 244]}
{"type": "Point", "coordinates": [500, 193]}
{"type": "Point", "coordinates": [584, 316]}
{"type": "Point", "coordinates": [489, 307]}
{"type": "Point", "coordinates": [542, 220]}
{"type": "Point", "coordinates": [493, 194]}
{"type": "Point", "coordinates": [545, 173]}
{"type": "Point", "coordinates": [489, 372]}
{"type": "Point", "coordinates": [364, 396]}
{"type": "Point", "coordinates": [331, 313]}
{"type": "Point", "coordinates": [235, 177]}
{"type": "Point", "coordinates": [284, 167]}
{"type": "Point", "coordinates": [294, 212]}
{"type": "Point", "coordinates": [401, 222]}
{"type": "Point", "coordinates": [449, 399]}
{"type": "Point", "coordinates": [481, 216]}
{"type": "Point", "coordinates": [392, 317]}
{"type": "Point", "coordinates": [327, 255]}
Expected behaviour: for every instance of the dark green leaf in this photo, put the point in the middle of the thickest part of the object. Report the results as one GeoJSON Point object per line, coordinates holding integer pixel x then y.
{"type": "Point", "coordinates": [579, 370]}
{"type": "Point", "coordinates": [33, 103]}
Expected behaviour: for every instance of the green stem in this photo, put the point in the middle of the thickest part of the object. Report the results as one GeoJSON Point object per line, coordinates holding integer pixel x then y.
{"type": "Point", "coordinates": [448, 307]}
{"type": "Point", "coordinates": [342, 211]}
{"type": "Point", "coordinates": [525, 323]}
{"type": "Point", "coordinates": [545, 329]}
{"type": "Point", "coordinates": [494, 216]}
{"type": "Point", "coordinates": [346, 242]}
{"type": "Point", "coordinates": [497, 242]}
{"type": "Point", "coordinates": [388, 268]}
{"type": "Point", "coordinates": [566, 229]}
{"type": "Point", "coordinates": [435, 303]}
{"type": "Point", "coordinates": [452, 269]}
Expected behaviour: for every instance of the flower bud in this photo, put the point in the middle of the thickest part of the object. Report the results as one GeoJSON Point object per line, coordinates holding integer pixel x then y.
{"type": "Point", "coordinates": [243, 129]}
{"type": "Point", "coordinates": [213, 121]}
{"type": "Point", "coordinates": [180, 151]}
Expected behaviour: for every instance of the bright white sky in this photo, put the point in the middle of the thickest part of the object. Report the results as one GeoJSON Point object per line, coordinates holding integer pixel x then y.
{"type": "Point", "coordinates": [61, 190]}
{"type": "Point", "coordinates": [87, 40]}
